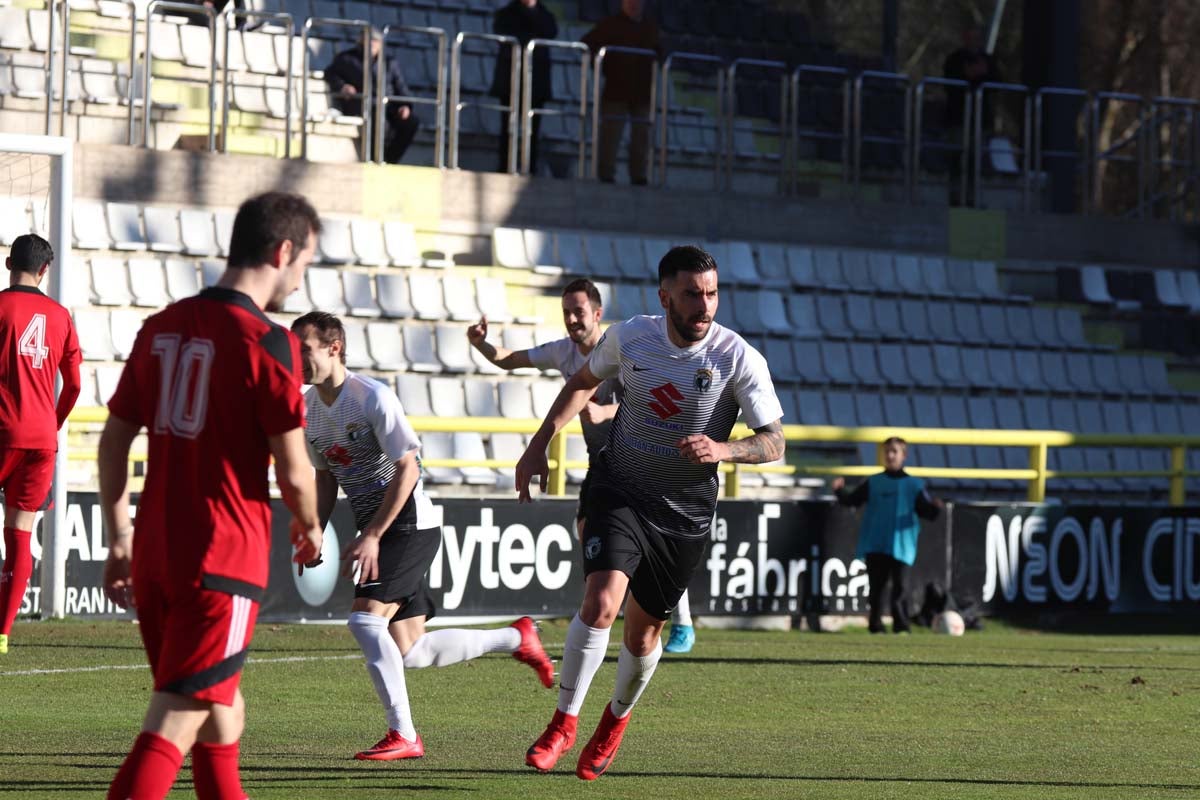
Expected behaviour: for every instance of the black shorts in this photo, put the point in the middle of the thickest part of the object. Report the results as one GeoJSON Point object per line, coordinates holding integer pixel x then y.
{"type": "Point", "coordinates": [404, 559]}
{"type": "Point", "coordinates": [616, 538]}
{"type": "Point", "coordinates": [581, 509]}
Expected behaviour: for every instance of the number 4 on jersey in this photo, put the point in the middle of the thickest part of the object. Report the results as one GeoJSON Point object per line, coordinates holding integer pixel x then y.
{"type": "Point", "coordinates": [33, 340]}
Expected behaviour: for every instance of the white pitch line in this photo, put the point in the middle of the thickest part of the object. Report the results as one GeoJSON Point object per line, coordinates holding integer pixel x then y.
{"type": "Point", "coordinates": [118, 667]}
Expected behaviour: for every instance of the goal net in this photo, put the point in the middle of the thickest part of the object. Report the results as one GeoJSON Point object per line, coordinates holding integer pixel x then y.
{"type": "Point", "coordinates": [35, 195]}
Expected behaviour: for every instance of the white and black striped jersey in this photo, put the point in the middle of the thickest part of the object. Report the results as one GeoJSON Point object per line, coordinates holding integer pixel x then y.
{"type": "Point", "coordinates": [564, 356]}
{"type": "Point", "coordinates": [359, 439]}
{"type": "Point", "coordinates": [669, 393]}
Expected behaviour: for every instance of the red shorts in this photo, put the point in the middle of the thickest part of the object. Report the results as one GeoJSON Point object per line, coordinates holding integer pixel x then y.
{"type": "Point", "coordinates": [26, 477]}
{"type": "Point", "coordinates": [195, 637]}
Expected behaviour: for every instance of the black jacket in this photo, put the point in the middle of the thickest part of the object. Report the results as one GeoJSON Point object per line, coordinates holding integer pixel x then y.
{"type": "Point", "coordinates": [347, 68]}
{"type": "Point", "coordinates": [525, 24]}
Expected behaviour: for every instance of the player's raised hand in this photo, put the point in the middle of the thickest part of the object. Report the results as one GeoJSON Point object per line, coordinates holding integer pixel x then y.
{"type": "Point", "coordinates": [306, 539]}
{"type": "Point", "coordinates": [532, 465]}
{"type": "Point", "coordinates": [699, 449]}
{"type": "Point", "coordinates": [838, 484]}
{"type": "Point", "coordinates": [118, 580]}
{"type": "Point", "coordinates": [478, 332]}
{"type": "Point", "coordinates": [364, 550]}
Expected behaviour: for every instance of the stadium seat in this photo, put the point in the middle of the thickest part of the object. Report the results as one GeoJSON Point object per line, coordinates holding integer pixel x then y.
{"type": "Point", "coordinates": [841, 409]}
{"type": "Point", "coordinates": [809, 365]}
{"type": "Point", "coordinates": [740, 265]}
{"type": "Point", "coordinates": [1095, 286]}
{"type": "Point", "coordinates": [540, 251]}
{"type": "Point", "coordinates": [447, 398]}
{"type": "Point", "coordinates": [419, 349]}
{"type": "Point", "coordinates": [934, 278]}
{"type": "Point", "coordinates": [576, 451]}
{"type": "Point", "coordinates": [1154, 371]}
{"type": "Point", "coordinates": [802, 313]}
{"type": "Point", "coordinates": [439, 446]}
{"type": "Point", "coordinates": [325, 289]}
{"type": "Point", "coordinates": [425, 292]}
{"type": "Point", "coordinates": [14, 218]}
{"type": "Point", "coordinates": [386, 341]}
{"type": "Point", "coordinates": [14, 29]}
{"type": "Point", "coordinates": [334, 245]}
{"type": "Point", "coordinates": [125, 226]}
{"type": "Point", "coordinates": [413, 391]}
{"type": "Point", "coordinates": [831, 317]}
{"type": "Point", "coordinates": [107, 378]}
{"type": "Point", "coordinates": [468, 446]}
{"type": "Point", "coordinates": [223, 222]}
{"type": "Point", "coordinates": [366, 238]}
{"type": "Point", "coordinates": [519, 337]}
{"type": "Point", "coordinates": [1028, 371]}
{"type": "Point", "coordinates": [109, 284]}
{"type": "Point", "coordinates": [773, 266]}
{"type": "Point", "coordinates": [987, 280]}
{"type": "Point", "coordinates": [993, 324]}
{"type": "Point", "coordinates": [865, 365]}
{"type": "Point", "coordinates": [195, 46]}
{"type": "Point", "coordinates": [909, 277]}
{"type": "Point", "coordinates": [919, 360]}
{"type": "Point", "coordinates": [1079, 373]}
{"type": "Point", "coordinates": [196, 232]}
{"type": "Point", "coordinates": [453, 349]}
{"type": "Point", "coordinates": [298, 302]}
{"type": "Point", "coordinates": [947, 364]}
{"type": "Point", "coordinates": [835, 358]}
{"type": "Point", "coordinates": [886, 313]}
{"type": "Point", "coordinates": [651, 301]}
{"type": "Point", "coordinates": [162, 229]}
{"type": "Point", "coordinates": [358, 352]}
{"type": "Point", "coordinates": [781, 360]}
{"type": "Point", "coordinates": [914, 316]}
{"type": "Point", "coordinates": [630, 257]}
{"type": "Point", "coordinates": [811, 408]}
{"type": "Point", "coordinates": [1189, 288]}
{"type": "Point", "coordinates": [802, 270]}
{"type": "Point", "coordinates": [544, 394]}
{"type": "Point", "coordinates": [89, 226]}
{"type": "Point", "coordinates": [742, 313]}
{"type": "Point", "coordinates": [148, 281]}
{"type": "Point", "coordinates": [400, 241]}
{"type": "Point", "coordinates": [506, 447]}
{"type": "Point", "coordinates": [182, 280]}
{"type": "Point", "coordinates": [628, 301]}
{"type": "Point", "coordinates": [860, 314]}
{"type": "Point", "coordinates": [481, 398]}
{"type": "Point", "coordinates": [570, 253]}
{"type": "Point", "coordinates": [515, 400]}
{"type": "Point", "coordinates": [125, 326]}
{"type": "Point", "coordinates": [892, 365]}
{"type": "Point", "coordinates": [856, 270]}
{"type": "Point", "coordinates": [601, 260]}
{"type": "Point", "coordinates": [508, 248]}
{"type": "Point", "coordinates": [941, 322]}
{"type": "Point", "coordinates": [357, 289]}
{"type": "Point", "coordinates": [393, 296]}
{"type": "Point", "coordinates": [898, 411]}
{"type": "Point", "coordinates": [210, 273]}
{"type": "Point", "coordinates": [960, 276]}
{"type": "Point", "coordinates": [975, 369]}
{"type": "Point", "coordinates": [492, 298]}
{"type": "Point", "coordinates": [1020, 326]}
{"type": "Point", "coordinates": [1130, 376]}
{"type": "Point", "coordinates": [882, 268]}
{"type": "Point", "coordinates": [459, 296]}
{"type": "Point", "coordinates": [968, 323]}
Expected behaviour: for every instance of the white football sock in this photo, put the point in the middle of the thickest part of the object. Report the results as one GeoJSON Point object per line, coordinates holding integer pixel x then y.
{"type": "Point", "coordinates": [385, 665]}
{"type": "Point", "coordinates": [633, 673]}
{"type": "Point", "coordinates": [583, 653]}
{"type": "Point", "coordinates": [682, 615]}
{"type": "Point", "coordinates": [448, 646]}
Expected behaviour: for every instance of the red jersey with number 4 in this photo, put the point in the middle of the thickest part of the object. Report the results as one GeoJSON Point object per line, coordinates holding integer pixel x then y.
{"type": "Point", "coordinates": [210, 378]}
{"type": "Point", "coordinates": [37, 341]}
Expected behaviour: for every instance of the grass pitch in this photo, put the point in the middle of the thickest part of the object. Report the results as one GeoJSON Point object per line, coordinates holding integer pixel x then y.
{"type": "Point", "coordinates": [1006, 713]}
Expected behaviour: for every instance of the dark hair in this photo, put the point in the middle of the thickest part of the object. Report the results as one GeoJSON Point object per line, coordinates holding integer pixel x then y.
{"type": "Point", "coordinates": [329, 328]}
{"type": "Point", "coordinates": [587, 287]}
{"type": "Point", "coordinates": [686, 258]}
{"type": "Point", "coordinates": [266, 221]}
{"type": "Point", "coordinates": [29, 253]}
{"type": "Point", "coordinates": [896, 440]}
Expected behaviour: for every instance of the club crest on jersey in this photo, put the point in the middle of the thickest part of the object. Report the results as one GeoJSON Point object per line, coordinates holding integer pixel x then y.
{"type": "Point", "coordinates": [354, 430]}
{"type": "Point", "coordinates": [592, 548]}
{"type": "Point", "coordinates": [703, 380]}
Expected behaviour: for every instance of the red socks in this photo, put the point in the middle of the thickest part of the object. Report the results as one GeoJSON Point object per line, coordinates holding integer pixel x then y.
{"type": "Point", "coordinates": [215, 772]}
{"type": "Point", "coordinates": [14, 578]}
{"type": "Point", "coordinates": [148, 771]}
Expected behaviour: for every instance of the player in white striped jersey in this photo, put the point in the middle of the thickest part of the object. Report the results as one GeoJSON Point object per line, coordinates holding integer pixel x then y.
{"type": "Point", "coordinates": [654, 489]}
{"type": "Point", "coordinates": [582, 310]}
{"type": "Point", "coordinates": [360, 440]}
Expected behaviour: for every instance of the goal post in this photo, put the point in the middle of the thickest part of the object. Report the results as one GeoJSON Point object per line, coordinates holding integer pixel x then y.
{"type": "Point", "coordinates": [59, 192]}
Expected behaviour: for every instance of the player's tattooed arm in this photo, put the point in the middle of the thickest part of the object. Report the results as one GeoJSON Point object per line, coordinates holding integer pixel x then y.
{"type": "Point", "coordinates": [765, 445]}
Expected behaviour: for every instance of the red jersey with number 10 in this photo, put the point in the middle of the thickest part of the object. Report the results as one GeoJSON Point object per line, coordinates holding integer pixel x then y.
{"type": "Point", "coordinates": [210, 378]}
{"type": "Point", "coordinates": [37, 341]}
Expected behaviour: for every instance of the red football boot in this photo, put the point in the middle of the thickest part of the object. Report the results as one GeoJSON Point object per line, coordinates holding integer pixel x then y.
{"type": "Point", "coordinates": [532, 653]}
{"type": "Point", "coordinates": [392, 748]}
{"type": "Point", "coordinates": [597, 756]}
{"type": "Point", "coordinates": [558, 738]}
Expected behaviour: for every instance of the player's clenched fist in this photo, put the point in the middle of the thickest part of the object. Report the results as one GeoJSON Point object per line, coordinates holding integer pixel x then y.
{"type": "Point", "coordinates": [532, 465]}
{"type": "Point", "coordinates": [478, 332]}
{"type": "Point", "coordinates": [307, 541]}
{"type": "Point", "coordinates": [699, 449]}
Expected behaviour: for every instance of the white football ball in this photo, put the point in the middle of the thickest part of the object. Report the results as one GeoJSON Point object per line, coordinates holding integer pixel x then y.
{"type": "Point", "coordinates": [950, 623]}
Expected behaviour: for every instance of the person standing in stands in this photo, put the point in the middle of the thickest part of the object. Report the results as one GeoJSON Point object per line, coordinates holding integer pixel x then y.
{"type": "Point", "coordinates": [973, 64]}
{"type": "Point", "coordinates": [887, 540]}
{"type": "Point", "coordinates": [345, 76]}
{"type": "Point", "coordinates": [627, 87]}
{"type": "Point", "coordinates": [524, 20]}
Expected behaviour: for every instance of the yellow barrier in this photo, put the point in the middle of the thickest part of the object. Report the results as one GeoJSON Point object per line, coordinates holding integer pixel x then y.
{"type": "Point", "coordinates": [1038, 444]}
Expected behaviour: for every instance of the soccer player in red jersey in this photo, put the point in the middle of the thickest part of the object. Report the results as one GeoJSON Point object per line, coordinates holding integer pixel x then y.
{"type": "Point", "coordinates": [217, 386]}
{"type": "Point", "coordinates": [37, 341]}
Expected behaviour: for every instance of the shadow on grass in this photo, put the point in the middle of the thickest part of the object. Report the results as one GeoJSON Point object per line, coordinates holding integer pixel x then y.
{"type": "Point", "coordinates": [1090, 623]}
{"type": "Point", "coordinates": [884, 662]}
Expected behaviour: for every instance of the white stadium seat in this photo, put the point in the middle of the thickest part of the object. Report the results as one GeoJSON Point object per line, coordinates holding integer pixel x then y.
{"type": "Point", "coordinates": [197, 232]}
{"type": "Point", "coordinates": [125, 327]}
{"type": "Point", "coordinates": [468, 446]}
{"type": "Point", "coordinates": [425, 291]}
{"type": "Point", "coordinates": [544, 392]}
{"type": "Point", "coordinates": [162, 229]}
{"type": "Point", "coordinates": [148, 280]}
{"type": "Point", "coordinates": [459, 296]}
{"type": "Point", "coordinates": [387, 345]}
{"type": "Point", "coordinates": [508, 248]}
{"type": "Point", "coordinates": [359, 300]}
{"type": "Point", "coordinates": [367, 237]}
{"type": "Point", "coordinates": [125, 226]}
{"type": "Point", "coordinates": [393, 296]}
{"type": "Point", "coordinates": [447, 398]}
{"type": "Point", "coordinates": [95, 337]}
{"type": "Point", "coordinates": [181, 278]}
{"type": "Point", "coordinates": [492, 296]}
{"type": "Point", "coordinates": [481, 398]}
{"type": "Point", "coordinates": [109, 284]}
{"type": "Point", "coordinates": [89, 226]}
{"type": "Point", "coordinates": [401, 243]}
{"type": "Point", "coordinates": [453, 349]}
{"type": "Point", "coordinates": [438, 446]}
{"type": "Point", "coordinates": [325, 289]}
{"type": "Point", "coordinates": [334, 244]}
{"type": "Point", "coordinates": [358, 354]}
{"type": "Point", "coordinates": [419, 349]}
{"type": "Point", "coordinates": [413, 391]}
{"type": "Point", "coordinates": [223, 220]}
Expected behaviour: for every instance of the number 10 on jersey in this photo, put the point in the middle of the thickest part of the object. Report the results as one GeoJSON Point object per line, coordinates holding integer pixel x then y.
{"type": "Point", "coordinates": [183, 384]}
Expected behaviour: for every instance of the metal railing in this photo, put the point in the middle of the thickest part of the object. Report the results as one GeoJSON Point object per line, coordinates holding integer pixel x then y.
{"type": "Point", "coordinates": [382, 98]}
{"type": "Point", "coordinates": [148, 66]}
{"type": "Point", "coordinates": [364, 96]}
{"type": "Point", "coordinates": [511, 109]}
{"type": "Point", "coordinates": [664, 141]}
{"type": "Point", "coordinates": [1081, 155]}
{"type": "Point", "coordinates": [528, 112]}
{"type": "Point", "coordinates": [231, 16]}
{"type": "Point", "coordinates": [903, 144]}
{"type": "Point", "coordinates": [1037, 443]}
{"type": "Point", "coordinates": [960, 150]}
{"type": "Point", "coordinates": [731, 114]}
{"type": "Point", "coordinates": [1173, 119]}
{"type": "Point", "coordinates": [597, 98]}
{"type": "Point", "coordinates": [979, 103]}
{"type": "Point", "coordinates": [842, 136]}
{"type": "Point", "coordinates": [1113, 154]}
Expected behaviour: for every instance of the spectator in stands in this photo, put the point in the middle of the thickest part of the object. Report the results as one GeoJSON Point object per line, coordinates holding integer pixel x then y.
{"type": "Point", "coordinates": [887, 540]}
{"type": "Point", "coordinates": [525, 20]}
{"type": "Point", "coordinates": [345, 77]}
{"type": "Point", "coordinates": [973, 64]}
{"type": "Point", "coordinates": [627, 87]}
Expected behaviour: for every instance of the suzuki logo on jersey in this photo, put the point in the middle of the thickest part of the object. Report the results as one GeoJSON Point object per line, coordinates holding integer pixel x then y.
{"type": "Point", "coordinates": [667, 396]}
{"type": "Point", "coordinates": [338, 455]}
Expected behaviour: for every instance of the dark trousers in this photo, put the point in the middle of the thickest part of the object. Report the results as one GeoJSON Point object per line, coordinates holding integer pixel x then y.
{"type": "Point", "coordinates": [502, 162]}
{"type": "Point", "coordinates": [880, 569]}
{"type": "Point", "coordinates": [398, 135]}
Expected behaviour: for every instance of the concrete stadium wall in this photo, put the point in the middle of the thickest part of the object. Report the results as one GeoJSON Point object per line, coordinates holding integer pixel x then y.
{"type": "Point", "coordinates": [472, 203]}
